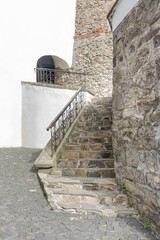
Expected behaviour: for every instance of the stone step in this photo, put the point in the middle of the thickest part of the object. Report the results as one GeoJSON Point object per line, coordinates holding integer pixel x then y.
{"type": "Point", "coordinates": [84, 172]}
{"type": "Point", "coordinates": [73, 191]}
{"type": "Point", "coordinates": [88, 147]}
{"type": "Point", "coordinates": [90, 184]}
{"type": "Point", "coordinates": [93, 128]}
{"type": "Point", "coordinates": [102, 100]}
{"type": "Point", "coordinates": [100, 120]}
{"type": "Point", "coordinates": [80, 140]}
{"type": "Point", "coordinates": [84, 196]}
{"type": "Point", "coordinates": [90, 127]}
{"type": "Point", "coordinates": [95, 133]}
{"type": "Point", "coordinates": [95, 107]}
{"type": "Point", "coordinates": [97, 119]}
{"type": "Point", "coordinates": [87, 154]}
{"type": "Point", "coordinates": [74, 195]}
{"type": "Point", "coordinates": [96, 113]}
{"type": "Point", "coordinates": [86, 163]}
{"type": "Point", "coordinates": [95, 125]}
{"type": "Point", "coordinates": [107, 211]}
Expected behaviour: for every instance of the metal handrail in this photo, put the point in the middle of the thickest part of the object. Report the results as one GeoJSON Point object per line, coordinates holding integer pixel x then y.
{"type": "Point", "coordinates": [63, 121]}
{"type": "Point", "coordinates": [64, 109]}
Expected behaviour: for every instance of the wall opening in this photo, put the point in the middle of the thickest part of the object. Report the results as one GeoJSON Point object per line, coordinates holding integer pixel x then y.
{"type": "Point", "coordinates": [47, 66]}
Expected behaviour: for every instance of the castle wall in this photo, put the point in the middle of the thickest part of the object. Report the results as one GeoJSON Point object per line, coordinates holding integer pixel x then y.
{"type": "Point", "coordinates": [92, 52]}
{"type": "Point", "coordinates": [136, 108]}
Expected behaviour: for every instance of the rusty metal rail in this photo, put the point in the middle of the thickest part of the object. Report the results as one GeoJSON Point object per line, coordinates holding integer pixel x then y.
{"type": "Point", "coordinates": [63, 121]}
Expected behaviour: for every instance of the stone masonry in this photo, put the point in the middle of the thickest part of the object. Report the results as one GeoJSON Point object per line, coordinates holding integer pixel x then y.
{"type": "Point", "coordinates": [92, 51]}
{"type": "Point", "coordinates": [83, 178]}
{"type": "Point", "coordinates": [25, 214]}
{"type": "Point", "coordinates": [136, 108]}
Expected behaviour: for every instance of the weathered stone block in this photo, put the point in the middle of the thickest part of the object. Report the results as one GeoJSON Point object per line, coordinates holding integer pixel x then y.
{"type": "Point", "coordinates": [89, 155]}
{"type": "Point", "coordinates": [70, 155]}
{"type": "Point", "coordinates": [67, 164]}
{"type": "Point", "coordinates": [152, 160]}
{"type": "Point", "coordinates": [90, 200]}
{"type": "Point", "coordinates": [134, 189]}
{"type": "Point", "coordinates": [136, 92]}
{"type": "Point", "coordinates": [67, 172]}
{"type": "Point", "coordinates": [132, 157]}
{"type": "Point", "coordinates": [156, 41]}
{"type": "Point", "coordinates": [56, 172]}
{"type": "Point", "coordinates": [128, 113]}
{"type": "Point", "coordinates": [153, 180]}
{"type": "Point", "coordinates": [79, 173]}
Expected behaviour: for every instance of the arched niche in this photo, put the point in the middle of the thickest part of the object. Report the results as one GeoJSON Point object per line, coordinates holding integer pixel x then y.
{"type": "Point", "coordinates": [46, 65]}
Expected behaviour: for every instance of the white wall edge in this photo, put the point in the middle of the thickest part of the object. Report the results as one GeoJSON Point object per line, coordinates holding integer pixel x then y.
{"type": "Point", "coordinates": [121, 9]}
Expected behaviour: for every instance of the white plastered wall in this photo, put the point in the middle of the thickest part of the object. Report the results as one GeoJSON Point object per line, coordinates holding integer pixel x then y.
{"type": "Point", "coordinates": [40, 105]}
{"type": "Point", "coordinates": [29, 30]}
{"type": "Point", "coordinates": [122, 8]}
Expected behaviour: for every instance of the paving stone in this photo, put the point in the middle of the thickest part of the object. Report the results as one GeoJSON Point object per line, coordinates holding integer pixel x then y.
{"type": "Point", "coordinates": [134, 236]}
{"type": "Point", "coordinates": [25, 215]}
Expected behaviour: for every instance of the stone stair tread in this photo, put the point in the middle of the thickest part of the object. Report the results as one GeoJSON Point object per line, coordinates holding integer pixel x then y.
{"type": "Point", "coordinates": [89, 159]}
{"type": "Point", "coordinates": [91, 151]}
{"type": "Point", "coordinates": [65, 179]}
{"type": "Point", "coordinates": [83, 172]}
{"type": "Point", "coordinates": [89, 138]}
{"type": "Point", "coordinates": [84, 169]}
{"type": "Point", "coordinates": [82, 144]}
{"type": "Point", "coordinates": [93, 131]}
{"type": "Point", "coordinates": [111, 211]}
{"type": "Point", "coordinates": [82, 192]}
{"type": "Point", "coordinates": [66, 182]}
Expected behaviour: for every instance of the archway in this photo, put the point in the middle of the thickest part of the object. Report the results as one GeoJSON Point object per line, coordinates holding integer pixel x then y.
{"type": "Point", "coordinates": [46, 65]}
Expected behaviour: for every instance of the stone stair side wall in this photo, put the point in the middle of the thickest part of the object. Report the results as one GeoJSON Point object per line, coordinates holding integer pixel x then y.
{"type": "Point", "coordinates": [136, 108]}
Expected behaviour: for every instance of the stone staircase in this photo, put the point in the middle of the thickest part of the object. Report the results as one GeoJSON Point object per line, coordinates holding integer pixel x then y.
{"type": "Point", "coordinates": [84, 177]}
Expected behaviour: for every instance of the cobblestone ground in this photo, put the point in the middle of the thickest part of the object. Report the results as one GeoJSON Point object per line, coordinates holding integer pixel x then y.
{"type": "Point", "coordinates": [24, 213]}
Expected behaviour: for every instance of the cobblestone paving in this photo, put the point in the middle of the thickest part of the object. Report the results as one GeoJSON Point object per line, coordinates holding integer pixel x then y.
{"type": "Point", "coordinates": [24, 213]}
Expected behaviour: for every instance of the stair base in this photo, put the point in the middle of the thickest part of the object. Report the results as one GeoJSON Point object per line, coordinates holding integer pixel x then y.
{"type": "Point", "coordinates": [71, 195]}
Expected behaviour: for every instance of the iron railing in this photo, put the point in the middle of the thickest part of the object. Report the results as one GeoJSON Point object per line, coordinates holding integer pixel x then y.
{"type": "Point", "coordinates": [58, 76]}
{"type": "Point", "coordinates": [44, 75]}
{"type": "Point", "coordinates": [62, 123]}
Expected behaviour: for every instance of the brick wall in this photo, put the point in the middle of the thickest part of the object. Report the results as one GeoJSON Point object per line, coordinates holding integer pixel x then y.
{"type": "Point", "coordinates": [136, 108]}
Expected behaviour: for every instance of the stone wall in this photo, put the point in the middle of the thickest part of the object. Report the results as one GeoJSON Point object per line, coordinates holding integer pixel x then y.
{"type": "Point", "coordinates": [136, 108]}
{"type": "Point", "coordinates": [92, 51]}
